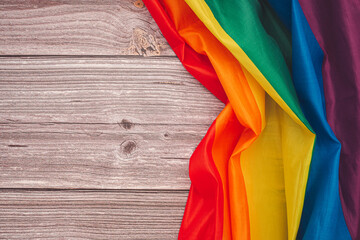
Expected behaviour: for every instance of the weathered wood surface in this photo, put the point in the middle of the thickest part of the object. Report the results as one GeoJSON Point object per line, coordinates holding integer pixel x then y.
{"type": "Point", "coordinates": [103, 90]}
{"type": "Point", "coordinates": [90, 214]}
{"type": "Point", "coordinates": [100, 122]}
{"type": "Point", "coordinates": [78, 27]}
{"type": "Point", "coordinates": [104, 156]}
{"type": "Point", "coordinates": [94, 144]}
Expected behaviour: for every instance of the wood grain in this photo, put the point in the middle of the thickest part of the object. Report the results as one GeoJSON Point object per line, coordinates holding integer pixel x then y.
{"type": "Point", "coordinates": [90, 214]}
{"type": "Point", "coordinates": [95, 140]}
{"type": "Point", "coordinates": [102, 156]}
{"type": "Point", "coordinates": [100, 122]}
{"type": "Point", "coordinates": [76, 27]}
{"type": "Point", "coordinates": [102, 90]}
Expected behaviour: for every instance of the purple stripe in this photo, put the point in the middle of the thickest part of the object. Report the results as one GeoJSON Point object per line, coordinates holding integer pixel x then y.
{"type": "Point", "coordinates": [336, 25]}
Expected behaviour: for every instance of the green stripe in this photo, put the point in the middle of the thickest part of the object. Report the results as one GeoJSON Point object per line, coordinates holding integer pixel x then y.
{"type": "Point", "coordinates": [257, 30]}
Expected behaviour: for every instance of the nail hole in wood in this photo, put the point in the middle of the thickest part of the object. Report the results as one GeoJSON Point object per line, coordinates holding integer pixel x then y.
{"type": "Point", "coordinates": [139, 4]}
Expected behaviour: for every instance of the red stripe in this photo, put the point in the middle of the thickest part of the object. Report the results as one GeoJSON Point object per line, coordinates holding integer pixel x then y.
{"type": "Point", "coordinates": [203, 217]}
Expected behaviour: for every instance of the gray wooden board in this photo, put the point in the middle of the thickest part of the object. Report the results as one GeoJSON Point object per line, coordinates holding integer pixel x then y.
{"type": "Point", "coordinates": [79, 214]}
{"type": "Point", "coordinates": [75, 27]}
{"type": "Point", "coordinates": [97, 155]}
{"type": "Point", "coordinates": [100, 122]}
{"type": "Point", "coordinates": [154, 90]}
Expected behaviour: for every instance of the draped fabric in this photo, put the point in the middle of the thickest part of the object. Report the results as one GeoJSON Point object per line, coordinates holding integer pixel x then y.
{"type": "Point", "coordinates": [336, 28]}
{"type": "Point", "coordinates": [268, 167]}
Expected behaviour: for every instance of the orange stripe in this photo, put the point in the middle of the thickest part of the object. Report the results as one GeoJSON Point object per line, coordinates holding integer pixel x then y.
{"type": "Point", "coordinates": [237, 125]}
{"type": "Point", "coordinates": [229, 135]}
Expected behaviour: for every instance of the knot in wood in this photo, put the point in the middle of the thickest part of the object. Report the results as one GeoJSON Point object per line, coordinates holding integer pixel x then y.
{"type": "Point", "coordinates": [128, 147]}
{"type": "Point", "coordinates": [126, 124]}
{"type": "Point", "coordinates": [143, 43]}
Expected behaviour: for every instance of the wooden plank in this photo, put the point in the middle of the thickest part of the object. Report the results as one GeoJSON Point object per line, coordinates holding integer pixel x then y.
{"type": "Point", "coordinates": [90, 214]}
{"type": "Point", "coordinates": [106, 156]}
{"type": "Point", "coordinates": [103, 90]}
{"type": "Point", "coordinates": [77, 27]}
{"type": "Point", "coordinates": [100, 123]}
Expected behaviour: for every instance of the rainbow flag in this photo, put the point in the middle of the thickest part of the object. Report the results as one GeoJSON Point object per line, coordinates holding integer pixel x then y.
{"type": "Point", "coordinates": [282, 159]}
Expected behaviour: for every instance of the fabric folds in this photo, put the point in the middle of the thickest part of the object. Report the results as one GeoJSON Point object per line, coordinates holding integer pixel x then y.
{"type": "Point", "coordinates": [268, 167]}
{"type": "Point", "coordinates": [336, 27]}
{"type": "Point", "coordinates": [295, 160]}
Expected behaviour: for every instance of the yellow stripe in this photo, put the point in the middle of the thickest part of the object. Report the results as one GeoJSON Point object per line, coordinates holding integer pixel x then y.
{"type": "Point", "coordinates": [204, 13]}
{"type": "Point", "coordinates": [258, 93]}
{"type": "Point", "coordinates": [275, 166]}
{"type": "Point", "coordinates": [275, 169]}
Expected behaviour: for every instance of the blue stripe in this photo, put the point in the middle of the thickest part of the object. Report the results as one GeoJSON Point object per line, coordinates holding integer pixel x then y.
{"type": "Point", "coordinates": [322, 216]}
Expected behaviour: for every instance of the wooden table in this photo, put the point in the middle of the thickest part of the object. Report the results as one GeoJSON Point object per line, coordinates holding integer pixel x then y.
{"type": "Point", "coordinates": [98, 119]}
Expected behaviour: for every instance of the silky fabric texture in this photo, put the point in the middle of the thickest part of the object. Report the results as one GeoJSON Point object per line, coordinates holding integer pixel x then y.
{"type": "Point", "coordinates": [203, 211]}
{"type": "Point", "coordinates": [254, 29]}
{"type": "Point", "coordinates": [271, 148]}
{"type": "Point", "coordinates": [259, 174]}
{"type": "Point", "coordinates": [231, 137]}
{"type": "Point", "coordinates": [283, 205]}
{"type": "Point", "coordinates": [295, 160]}
{"type": "Point", "coordinates": [204, 13]}
{"type": "Point", "coordinates": [335, 25]}
{"type": "Point", "coordinates": [322, 216]}
{"type": "Point", "coordinates": [245, 108]}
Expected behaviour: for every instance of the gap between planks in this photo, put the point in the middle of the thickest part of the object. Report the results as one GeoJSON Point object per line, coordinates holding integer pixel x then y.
{"type": "Point", "coordinates": [91, 214]}
{"type": "Point", "coordinates": [107, 123]}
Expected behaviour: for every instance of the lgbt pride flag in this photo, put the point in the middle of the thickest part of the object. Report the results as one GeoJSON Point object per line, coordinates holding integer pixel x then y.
{"type": "Point", "coordinates": [282, 159]}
